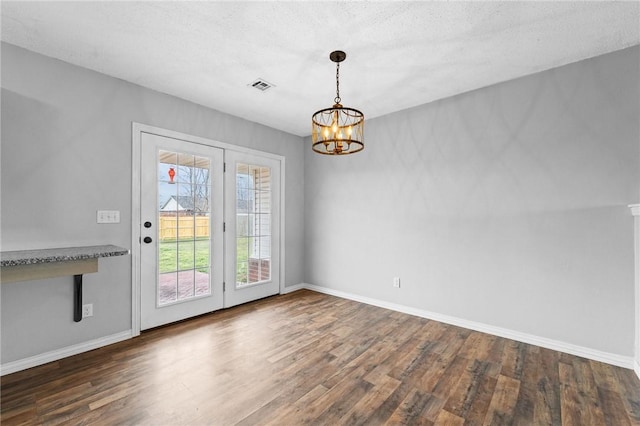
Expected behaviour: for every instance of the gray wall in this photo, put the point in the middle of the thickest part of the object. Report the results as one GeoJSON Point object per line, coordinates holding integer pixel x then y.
{"type": "Point", "coordinates": [505, 206]}
{"type": "Point", "coordinates": [66, 152]}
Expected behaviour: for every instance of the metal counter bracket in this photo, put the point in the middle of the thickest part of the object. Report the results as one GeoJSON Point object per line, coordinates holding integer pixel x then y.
{"type": "Point", "coordinates": [77, 298]}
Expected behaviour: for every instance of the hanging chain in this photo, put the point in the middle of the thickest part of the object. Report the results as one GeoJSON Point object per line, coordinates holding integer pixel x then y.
{"type": "Point", "coordinates": [337, 99]}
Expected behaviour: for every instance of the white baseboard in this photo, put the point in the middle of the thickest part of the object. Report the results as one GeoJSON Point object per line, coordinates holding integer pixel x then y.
{"type": "Point", "coordinates": [596, 355]}
{"type": "Point", "coordinates": [33, 361]}
{"type": "Point", "coordinates": [292, 288]}
{"type": "Point", "coordinates": [593, 354]}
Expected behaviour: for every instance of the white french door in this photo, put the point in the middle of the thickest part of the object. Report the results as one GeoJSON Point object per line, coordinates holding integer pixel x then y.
{"type": "Point", "coordinates": [208, 238]}
{"type": "Point", "coordinates": [181, 230]}
{"type": "Point", "coordinates": [252, 204]}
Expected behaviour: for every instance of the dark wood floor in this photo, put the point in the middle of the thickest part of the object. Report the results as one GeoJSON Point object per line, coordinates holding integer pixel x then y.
{"type": "Point", "coordinates": [310, 358]}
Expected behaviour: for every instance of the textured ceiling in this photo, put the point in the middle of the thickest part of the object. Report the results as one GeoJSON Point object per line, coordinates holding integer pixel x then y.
{"type": "Point", "coordinates": [399, 54]}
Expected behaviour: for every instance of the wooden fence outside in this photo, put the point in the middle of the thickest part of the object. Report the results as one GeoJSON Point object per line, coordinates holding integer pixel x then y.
{"type": "Point", "coordinates": [172, 227]}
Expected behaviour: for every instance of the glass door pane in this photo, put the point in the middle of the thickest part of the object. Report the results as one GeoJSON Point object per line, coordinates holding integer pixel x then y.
{"type": "Point", "coordinates": [253, 224]}
{"type": "Point", "coordinates": [184, 237]}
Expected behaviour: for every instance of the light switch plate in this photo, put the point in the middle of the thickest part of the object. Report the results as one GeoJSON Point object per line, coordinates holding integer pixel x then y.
{"type": "Point", "coordinates": [108, 216]}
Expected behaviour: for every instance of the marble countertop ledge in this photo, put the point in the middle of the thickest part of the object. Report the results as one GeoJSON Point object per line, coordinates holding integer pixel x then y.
{"type": "Point", "coordinates": [68, 254]}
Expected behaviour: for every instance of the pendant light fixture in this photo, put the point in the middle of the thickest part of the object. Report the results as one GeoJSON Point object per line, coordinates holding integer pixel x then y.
{"type": "Point", "coordinates": [337, 130]}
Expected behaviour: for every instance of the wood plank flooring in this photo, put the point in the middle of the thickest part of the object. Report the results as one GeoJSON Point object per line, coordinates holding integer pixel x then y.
{"type": "Point", "coordinates": [310, 358]}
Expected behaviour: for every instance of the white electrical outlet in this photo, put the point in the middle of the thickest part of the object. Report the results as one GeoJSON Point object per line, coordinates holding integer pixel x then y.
{"type": "Point", "coordinates": [396, 282]}
{"type": "Point", "coordinates": [87, 310]}
{"type": "Point", "coordinates": [108, 216]}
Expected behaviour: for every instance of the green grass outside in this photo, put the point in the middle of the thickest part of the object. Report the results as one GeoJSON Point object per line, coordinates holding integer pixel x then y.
{"type": "Point", "coordinates": [184, 255]}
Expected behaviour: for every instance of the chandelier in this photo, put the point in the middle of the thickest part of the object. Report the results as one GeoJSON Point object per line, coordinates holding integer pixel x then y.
{"type": "Point", "coordinates": [337, 130]}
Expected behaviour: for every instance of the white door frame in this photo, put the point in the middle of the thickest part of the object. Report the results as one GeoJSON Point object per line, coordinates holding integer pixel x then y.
{"type": "Point", "coordinates": [136, 218]}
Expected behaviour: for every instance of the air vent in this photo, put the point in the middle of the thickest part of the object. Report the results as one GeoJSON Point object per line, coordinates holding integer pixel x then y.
{"type": "Point", "coordinates": [261, 84]}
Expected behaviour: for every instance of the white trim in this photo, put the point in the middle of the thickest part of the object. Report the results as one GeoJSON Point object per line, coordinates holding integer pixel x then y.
{"type": "Point", "coordinates": [635, 211]}
{"type": "Point", "coordinates": [200, 140]}
{"type": "Point", "coordinates": [596, 355]}
{"type": "Point", "coordinates": [136, 130]}
{"type": "Point", "coordinates": [283, 239]}
{"type": "Point", "coordinates": [34, 361]}
{"type": "Point", "coordinates": [292, 288]}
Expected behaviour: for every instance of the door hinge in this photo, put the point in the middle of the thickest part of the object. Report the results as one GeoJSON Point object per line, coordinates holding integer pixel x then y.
{"type": "Point", "coordinates": [224, 167]}
{"type": "Point", "coordinates": [224, 287]}
{"type": "Point", "coordinates": [224, 226]}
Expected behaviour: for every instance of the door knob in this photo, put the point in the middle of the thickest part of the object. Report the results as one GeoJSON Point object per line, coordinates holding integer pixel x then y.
{"type": "Point", "coordinates": [147, 240]}
{"type": "Point", "coordinates": [147, 224]}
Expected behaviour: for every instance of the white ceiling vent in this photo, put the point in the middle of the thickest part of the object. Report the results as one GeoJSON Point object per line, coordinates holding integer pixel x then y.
{"type": "Point", "coordinates": [261, 84]}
